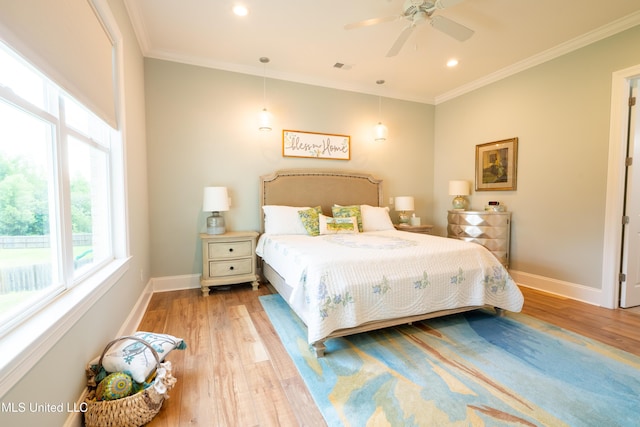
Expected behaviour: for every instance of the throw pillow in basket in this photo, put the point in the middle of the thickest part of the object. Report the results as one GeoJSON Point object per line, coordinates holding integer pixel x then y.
{"type": "Point", "coordinates": [135, 358]}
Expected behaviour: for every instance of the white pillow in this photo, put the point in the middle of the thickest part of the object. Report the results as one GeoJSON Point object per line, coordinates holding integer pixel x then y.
{"type": "Point", "coordinates": [283, 220]}
{"type": "Point", "coordinates": [375, 219]}
{"type": "Point", "coordinates": [340, 225]}
{"type": "Point", "coordinates": [135, 358]}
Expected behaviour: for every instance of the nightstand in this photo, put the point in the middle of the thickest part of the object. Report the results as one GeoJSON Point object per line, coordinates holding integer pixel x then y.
{"type": "Point", "coordinates": [228, 258]}
{"type": "Point", "coordinates": [422, 229]}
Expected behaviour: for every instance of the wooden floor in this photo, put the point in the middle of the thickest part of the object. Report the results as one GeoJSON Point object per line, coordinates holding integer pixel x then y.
{"type": "Point", "coordinates": [235, 371]}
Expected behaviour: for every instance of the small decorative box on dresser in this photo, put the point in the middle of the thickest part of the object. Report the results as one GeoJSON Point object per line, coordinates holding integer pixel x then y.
{"type": "Point", "coordinates": [228, 258]}
{"type": "Point", "coordinates": [490, 229]}
{"type": "Point", "coordinates": [422, 229]}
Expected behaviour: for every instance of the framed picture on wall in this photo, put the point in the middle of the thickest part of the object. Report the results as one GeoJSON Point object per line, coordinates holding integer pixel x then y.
{"type": "Point", "coordinates": [497, 165]}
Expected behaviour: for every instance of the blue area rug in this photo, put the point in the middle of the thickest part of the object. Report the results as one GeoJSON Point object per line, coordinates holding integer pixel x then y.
{"type": "Point", "coordinates": [472, 369]}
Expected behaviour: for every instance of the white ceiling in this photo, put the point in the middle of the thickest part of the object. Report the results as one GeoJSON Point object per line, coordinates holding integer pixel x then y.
{"type": "Point", "coordinates": [305, 38]}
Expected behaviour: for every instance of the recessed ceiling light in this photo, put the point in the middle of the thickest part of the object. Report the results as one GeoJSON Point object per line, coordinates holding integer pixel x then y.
{"type": "Point", "coordinates": [240, 10]}
{"type": "Point", "coordinates": [452, 63]}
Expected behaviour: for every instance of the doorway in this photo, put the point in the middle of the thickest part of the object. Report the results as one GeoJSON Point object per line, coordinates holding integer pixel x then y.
{"type": "Point", "coordinates": [613, 246]}
{"type": "Point", "coordinates": [630, 251]}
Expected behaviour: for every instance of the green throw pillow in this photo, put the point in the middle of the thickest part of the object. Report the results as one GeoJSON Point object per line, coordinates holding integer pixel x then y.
{"type": "Point", "coordinates": [347, 212]}
{"type": "Point", "coordinates": [309, 218]}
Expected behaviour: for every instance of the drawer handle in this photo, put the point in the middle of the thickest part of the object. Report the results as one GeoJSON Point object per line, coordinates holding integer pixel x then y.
{"type": "Point", "coordinates": [230, 249]}
{"type": "Point", "coordinates": [231, 268]}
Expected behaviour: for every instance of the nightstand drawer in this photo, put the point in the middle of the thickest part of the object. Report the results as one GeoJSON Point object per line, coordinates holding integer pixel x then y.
{"type": "Point", "coordinates": [219, 250]}
{"type": "Point", "coordinates": [231, 267]}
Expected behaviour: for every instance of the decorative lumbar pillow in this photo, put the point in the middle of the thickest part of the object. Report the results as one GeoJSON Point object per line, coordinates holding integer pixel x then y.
{"type": "Point", "coordinates": [330, 225]}
{"type": "Point", "coordinates": [348, 212]}
{"type": "Point", "coordinates": [114, 386]}
{"type": "Point", "coordinates": [283, 219]}
{"type": "Point", "coordinates": [310, 221]}
{"type": "Point", "coordinates": [375, 219]}
{"type": "Point", "coordinates": [135, 358]}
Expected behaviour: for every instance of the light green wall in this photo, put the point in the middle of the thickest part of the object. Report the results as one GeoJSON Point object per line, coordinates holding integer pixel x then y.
{"type": "Point", "coordinates": [202, 131]}
{"type": "Point", "coordinates": [59, 377]}
{"type": "Point", "coordinates": [560, 112]}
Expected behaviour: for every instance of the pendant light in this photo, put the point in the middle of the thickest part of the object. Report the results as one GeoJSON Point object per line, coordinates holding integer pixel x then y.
{"type": "Point", "coordinates": [264, 119]}
{"type": "Point", "coordinates": [381, 131]}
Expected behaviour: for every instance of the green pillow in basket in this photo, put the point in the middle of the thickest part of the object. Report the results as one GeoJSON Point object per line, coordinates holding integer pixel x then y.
{"type": "Point", "coordinates": [136, 359]}
{"type": "Point", "coordinates": [114, 386]}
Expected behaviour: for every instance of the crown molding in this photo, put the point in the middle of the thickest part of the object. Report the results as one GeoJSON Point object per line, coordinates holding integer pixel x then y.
{"type": "Point", "coordinates": [601, 33]}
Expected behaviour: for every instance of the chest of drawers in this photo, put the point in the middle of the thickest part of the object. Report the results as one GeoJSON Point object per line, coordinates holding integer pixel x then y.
{"type": "Point", "coordinates": [490, 229]}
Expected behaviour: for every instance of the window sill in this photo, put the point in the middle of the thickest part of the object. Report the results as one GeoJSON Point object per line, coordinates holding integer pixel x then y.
{"type": "Point", "coordinates": [26, 344]}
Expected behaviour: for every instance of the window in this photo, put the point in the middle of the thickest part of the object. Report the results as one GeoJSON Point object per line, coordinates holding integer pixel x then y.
{"type": "Point", "coordinates": [56, 163]}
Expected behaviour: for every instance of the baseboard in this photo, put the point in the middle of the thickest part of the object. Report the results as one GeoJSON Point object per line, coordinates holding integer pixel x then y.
{"type": "Point", "coordinates": [130, 325]}
{"type": "Point", "coordinates": [76, 419]}
{"type": "Point", "coordinates": [558, 287]}
{"type": "Point", "coordinates": [175, 283]}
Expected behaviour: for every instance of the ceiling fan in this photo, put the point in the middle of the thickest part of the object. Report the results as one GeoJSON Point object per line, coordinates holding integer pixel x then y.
{"type": "Point", "coordinates": [417, 12]}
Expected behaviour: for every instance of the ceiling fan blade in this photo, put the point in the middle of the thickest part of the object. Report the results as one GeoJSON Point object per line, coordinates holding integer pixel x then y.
{"type": "Point", "coordinates": [400, 41]}
{"type": "Point", "coordinates": [368, 22]}
{"type": "Point", "coordinates": [451, 28]}
{"type": "Point", "coordinates": [443, 4]}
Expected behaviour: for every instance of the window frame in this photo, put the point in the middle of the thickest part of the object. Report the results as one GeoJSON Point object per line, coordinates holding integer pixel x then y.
{"type": "Point", "coordinates": [64, 275]}
{"type": "Point", "coordinates": [29, 341]}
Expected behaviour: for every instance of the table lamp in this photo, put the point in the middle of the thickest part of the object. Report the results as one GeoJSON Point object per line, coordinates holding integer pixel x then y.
{"type": "Point", "coordinates": [215, 200]}
{"type": "Point", "coordinates": [459, 189]}
{"type": "Point", "coordinates": [402, 205]}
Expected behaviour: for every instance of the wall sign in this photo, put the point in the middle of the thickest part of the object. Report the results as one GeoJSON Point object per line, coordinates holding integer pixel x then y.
{"type": "Point", "coordinates": [297, 143]}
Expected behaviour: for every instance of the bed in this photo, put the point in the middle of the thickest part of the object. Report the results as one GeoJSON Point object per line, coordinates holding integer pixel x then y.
{"type": "Point", "coordinates": [363, 274]}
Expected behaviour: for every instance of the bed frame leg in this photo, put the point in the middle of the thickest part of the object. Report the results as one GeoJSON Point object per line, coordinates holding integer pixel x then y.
{"type": "Point", "coordinates": [319, 348]}
{"type": "Point", "coordinates": [500, 312]}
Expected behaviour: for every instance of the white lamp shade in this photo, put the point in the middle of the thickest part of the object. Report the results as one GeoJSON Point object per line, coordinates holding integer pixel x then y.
{"type": "Point", "coordinates": [381, 132]}
{"type": "Point", "coordinates": [215, 199]}
{"type": "Point", "coordinates": [459, 188]}
{"type": "Point", "coordinates": [404, 203]}
{"type": "Point", "coordinates": [264, 120]}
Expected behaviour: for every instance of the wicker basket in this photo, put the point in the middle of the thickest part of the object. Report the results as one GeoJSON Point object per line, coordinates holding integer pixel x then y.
{"type": "Point", "coordinates": [131, 411]}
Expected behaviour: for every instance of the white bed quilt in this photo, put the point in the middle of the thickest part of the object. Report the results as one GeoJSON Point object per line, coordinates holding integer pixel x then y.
{"type": "Point", "coordinates": [344, 280]}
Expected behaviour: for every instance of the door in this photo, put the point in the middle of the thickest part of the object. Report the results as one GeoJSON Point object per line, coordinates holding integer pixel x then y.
{"type": "Point", "coordinates": [630, 260]}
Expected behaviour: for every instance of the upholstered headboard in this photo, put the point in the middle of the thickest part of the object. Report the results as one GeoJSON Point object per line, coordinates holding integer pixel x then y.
{"type": "Point", "coordinates": [320, 187]}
